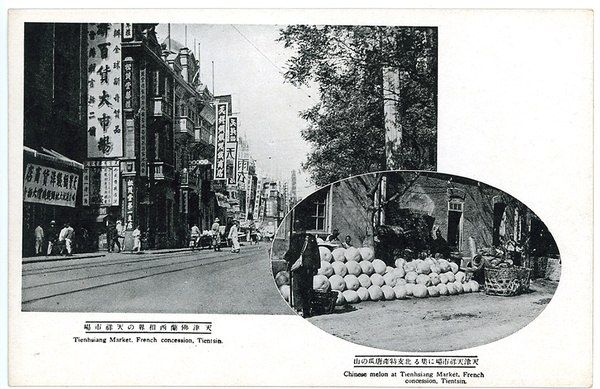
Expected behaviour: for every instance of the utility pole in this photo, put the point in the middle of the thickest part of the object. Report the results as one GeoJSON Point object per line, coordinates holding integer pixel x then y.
{"type": "Point", "coordinates": [391, 115]}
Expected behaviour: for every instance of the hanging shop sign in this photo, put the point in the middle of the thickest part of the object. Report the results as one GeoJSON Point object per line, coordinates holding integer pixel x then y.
{"type": "Point", "coordinates": [242, 171]}
{"type": "Point", "coordinates": [232, 151]}
{"type": "Point", "coordinates": [143, 125]}
{"type": "Point", "coordinates": [46, 185]}
{"type": "Point", "coordinates": [101, 183]}
{"type": "Point", "coordinates": [220, 141]}
{"type": "Point", "coordinates": [231, 158]}
{"type": "Point", "coordinates": [256, 202]}
{"type": "Point", "coordinates": [233, 129]}
{"type": "Point", "coordinates": [104, 126]}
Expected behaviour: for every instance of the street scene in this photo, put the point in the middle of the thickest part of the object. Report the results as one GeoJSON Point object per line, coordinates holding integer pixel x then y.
{"type": "Point", "coordinates": [425, 260]}
{"type": "Point", "coordinates": [160, 281]}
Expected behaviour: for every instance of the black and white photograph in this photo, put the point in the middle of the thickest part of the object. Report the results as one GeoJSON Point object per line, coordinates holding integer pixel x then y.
{"type": "Point", "coordinates": [300, 197]}
{"type": "Point", "coordinates": [415, 261]}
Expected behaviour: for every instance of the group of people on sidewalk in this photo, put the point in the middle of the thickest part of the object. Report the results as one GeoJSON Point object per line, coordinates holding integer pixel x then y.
{"type": "Point", "coordinates": [115, 236]}
{"type": "Point", "coordinates": [61, 240]}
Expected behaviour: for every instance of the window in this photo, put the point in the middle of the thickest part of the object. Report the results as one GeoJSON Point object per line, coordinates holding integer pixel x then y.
{"type": "Point", "coordinates": [312, 211]}
{"type": "Point", "coordinates": [156, 82]}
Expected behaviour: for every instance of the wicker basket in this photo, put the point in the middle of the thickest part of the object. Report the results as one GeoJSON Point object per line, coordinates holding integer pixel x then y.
{"type": "Point", "coordinates": [506, 281]}
{"type": "Point", "coordinates": [322, 302]}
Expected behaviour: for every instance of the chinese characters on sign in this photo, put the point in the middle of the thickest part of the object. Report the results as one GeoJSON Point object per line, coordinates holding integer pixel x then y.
{"type": "Point", "coordinates": [220, 129]}
{"type": "Point", "coordinates": [231, 157]}
{"type": "Point", "coordinates": [129, 204]}
{"type": "Point", "coordinates": [127, 30]}
{"type": "Point", "coordinates": [49, 186]}
{"type": "Point", "coordinates": [104, 128]}
{"type": "Point", "coordinates": [143, 125]}
{"type": "Point", "coordinates": [101, 183]}
{"type": "Point", "coordinates": [232, 151]}
{"type": "Point", "coordinates": [242, 171]}
{"type": "Point", "coordinates": [232, 133]}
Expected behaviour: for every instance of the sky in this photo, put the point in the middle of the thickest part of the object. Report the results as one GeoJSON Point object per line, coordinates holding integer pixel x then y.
{"type": "Point", "coordinates": [248, 64]}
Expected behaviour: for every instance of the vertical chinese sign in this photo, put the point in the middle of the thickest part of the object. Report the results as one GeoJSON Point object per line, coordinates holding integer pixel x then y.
{"type": "Point", "coordinates": [101, 183]}
{"type": "Point", "coordinates": [129, 203]}
{"type": "Point", "coordinates": [257, 203]}
{"type": "Point", "coordinates": [104, 128]}
{"type": "Point", "coordinates": [220, 141]}
{"type": "Point", "coordinates": [143, 125]}
{"type": "Point", "coordinates": [244, 180]}
{"type": "Point", "coordinates": [232, 151]}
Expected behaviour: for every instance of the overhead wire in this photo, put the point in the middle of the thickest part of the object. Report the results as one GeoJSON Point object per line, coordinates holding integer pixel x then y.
{"type": "Point", "coordinates": [269, 60]}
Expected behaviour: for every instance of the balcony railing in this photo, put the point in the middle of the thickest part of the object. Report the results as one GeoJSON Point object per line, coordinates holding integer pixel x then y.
{"type": "Point", "coordinates": [163, 171]}
{"type": "Point", "coordinates": [204, 136]}
{"type": "Point", "coordinates": [162, 107]}
{"type": "Point", "coordinates": [184, 125]}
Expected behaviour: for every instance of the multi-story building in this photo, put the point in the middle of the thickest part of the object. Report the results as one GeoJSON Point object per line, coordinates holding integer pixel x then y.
{"type": "Point", "coordinates": [130, 124]}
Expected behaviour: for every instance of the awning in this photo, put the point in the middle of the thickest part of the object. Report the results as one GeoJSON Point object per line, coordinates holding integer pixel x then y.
{"type": "Point", "coordinates": [53, 157]}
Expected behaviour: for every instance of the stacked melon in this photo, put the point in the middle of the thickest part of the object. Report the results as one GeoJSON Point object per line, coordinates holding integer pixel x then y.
{"type": "Point", "coordinates": [357, 276]}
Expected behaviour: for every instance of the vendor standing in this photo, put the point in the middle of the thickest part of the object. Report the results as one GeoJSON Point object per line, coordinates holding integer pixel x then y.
{"type": "Point", "coordinates": [303, 261]}
{"type": "Point", "coordinates": [439, 245]}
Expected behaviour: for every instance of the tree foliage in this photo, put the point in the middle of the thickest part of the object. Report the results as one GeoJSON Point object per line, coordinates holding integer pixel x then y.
{"type": "Point", "coordinates": [346, 128]}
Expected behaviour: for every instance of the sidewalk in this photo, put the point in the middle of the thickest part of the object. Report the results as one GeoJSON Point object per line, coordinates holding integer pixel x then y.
{"type": "Point", "coordinates": [99, 254]}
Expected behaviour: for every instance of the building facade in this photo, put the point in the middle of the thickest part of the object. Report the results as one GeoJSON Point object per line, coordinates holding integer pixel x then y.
{"type": "Point", "coordinates": [130, 120]}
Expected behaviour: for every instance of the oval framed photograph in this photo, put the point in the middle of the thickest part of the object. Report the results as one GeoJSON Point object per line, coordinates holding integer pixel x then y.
{"type": "Point", "coordinates": [415, 261]}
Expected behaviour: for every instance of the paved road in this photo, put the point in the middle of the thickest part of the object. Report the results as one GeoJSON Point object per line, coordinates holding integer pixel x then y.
{"type": "Point", "coordinates": [201, 281]}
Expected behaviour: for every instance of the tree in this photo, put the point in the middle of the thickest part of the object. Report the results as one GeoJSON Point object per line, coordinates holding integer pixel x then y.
{"type": "Point", "coordinates": [346, 128]}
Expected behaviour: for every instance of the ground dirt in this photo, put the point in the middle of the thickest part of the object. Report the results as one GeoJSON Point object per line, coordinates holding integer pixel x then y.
{"type": "Point", "coordinates": [433, 324]}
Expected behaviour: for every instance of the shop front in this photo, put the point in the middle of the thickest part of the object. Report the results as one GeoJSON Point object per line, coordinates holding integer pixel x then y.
{"type": "Point", "coordinates": [51, 192]}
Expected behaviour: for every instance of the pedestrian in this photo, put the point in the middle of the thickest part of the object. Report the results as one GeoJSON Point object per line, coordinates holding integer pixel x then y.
{"type": "Point", "coordinates": [52, 236]}
{"type": "Point", "coordinates": [216, 233]}
{"type": "Point", "coordinates": [234, 236]}
{"type": "Point", "coordinates": [112, 236]}
{"type": "Point", "coordinates": [257, 237]}
{"type": "Point", "coordinates": [120, 230]}
{"type": "Point", "coordinates": [39, 239]}
{"type": "Point", "coordinates": [66, 237]}
{"type": "Point", "coordinates": [303, 261]}
{"type": "Point", "coordinates": [137, 241]}
{"type": "Point", "coordinates": [195, 236]}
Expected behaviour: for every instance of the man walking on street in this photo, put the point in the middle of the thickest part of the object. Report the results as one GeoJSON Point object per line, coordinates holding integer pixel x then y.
{"type": "Point", "coordinates": [137, 241]}
{"type": "Point", "coordinates": [39, 239]}
{"type": "Point", "coordinates": [66, 235]}
{"type": "Point", "coordinates": [216, 232]}
{"type": "Point", "coordinates": [195, 236]}
{"type": "Point", "coordinates": [52, 236]}
{"type": "Point", "coordinates": [233, 235]}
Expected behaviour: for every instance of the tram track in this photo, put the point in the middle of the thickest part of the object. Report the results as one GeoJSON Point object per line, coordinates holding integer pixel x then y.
{"type": "Point", "coordinates": [42, 291]}
{"type": "Point", "coordinates": [107, 262]}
